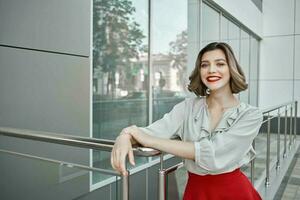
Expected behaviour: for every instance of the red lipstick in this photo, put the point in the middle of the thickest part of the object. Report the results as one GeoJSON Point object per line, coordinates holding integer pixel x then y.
{"type": "Point", "coordinates": [213, 78]}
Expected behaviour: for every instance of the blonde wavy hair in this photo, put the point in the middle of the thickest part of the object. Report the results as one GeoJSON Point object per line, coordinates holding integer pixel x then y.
{"type": "Point", "coordinates": [237, 76]}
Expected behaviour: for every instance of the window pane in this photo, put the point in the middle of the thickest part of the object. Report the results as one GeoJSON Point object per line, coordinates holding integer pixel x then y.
{"type": "Point", "coordinates": [245, 61]}
{"type": "Point", "coordinates": [245, 53]}
{"type": "Point", "coordinates": [234, 38]}
{"type": "Point", "coordinates": [169, 58]}
{"type": "Point", "coordinates": [254, 59]}
{"type": "Point", "coordinates": [254, 72]}
{"type": "Point", "coordinates": [120, 71]}
{"type": "Point", "coordinates": [210, 28]}
{"type": "Point", "coordinates": [224, 29]}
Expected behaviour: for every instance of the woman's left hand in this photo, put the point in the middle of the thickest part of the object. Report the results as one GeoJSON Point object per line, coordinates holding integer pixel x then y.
{"type": "Point", "coordinates": [139, 136]}
{"type": "Point", "coordinates": [177, 148]}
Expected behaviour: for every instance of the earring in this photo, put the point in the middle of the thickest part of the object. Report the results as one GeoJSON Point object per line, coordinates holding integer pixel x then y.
{"type": "Point", "coordinates": [207, 91]}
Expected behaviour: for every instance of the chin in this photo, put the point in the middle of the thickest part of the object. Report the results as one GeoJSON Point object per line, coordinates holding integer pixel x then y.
{"type": "Point", "coordinates": [216, 87]}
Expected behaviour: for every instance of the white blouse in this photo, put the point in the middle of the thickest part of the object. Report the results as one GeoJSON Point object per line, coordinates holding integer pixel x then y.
{"type": "Point", "coordinates": [224, 149]}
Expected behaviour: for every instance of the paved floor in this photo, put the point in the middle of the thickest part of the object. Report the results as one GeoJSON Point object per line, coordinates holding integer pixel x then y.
{"type": "Point", "coordinates": [290, 186]}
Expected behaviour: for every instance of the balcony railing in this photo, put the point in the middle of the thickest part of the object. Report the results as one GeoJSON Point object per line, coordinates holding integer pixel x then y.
{"type": "Point", "coordinates": [107, 145]}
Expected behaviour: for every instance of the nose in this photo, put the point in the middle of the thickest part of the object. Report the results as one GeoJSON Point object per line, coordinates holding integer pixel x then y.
{"type": "Point", "coordinates": [212, 69]}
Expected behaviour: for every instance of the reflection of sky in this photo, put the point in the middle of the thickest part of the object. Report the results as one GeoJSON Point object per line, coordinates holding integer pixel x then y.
{"type": "Point", "coordinates": [141, 16]}
{"type": "Point", "coordinates": [169, 19]}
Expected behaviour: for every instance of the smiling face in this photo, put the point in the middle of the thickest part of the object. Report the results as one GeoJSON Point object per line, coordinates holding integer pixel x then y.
{"type": "Point", "coordinates": [214, 70]}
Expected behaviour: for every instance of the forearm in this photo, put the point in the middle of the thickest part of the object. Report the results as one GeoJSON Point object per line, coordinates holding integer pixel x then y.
{"type": "Point", "coordinates": [175, 147]}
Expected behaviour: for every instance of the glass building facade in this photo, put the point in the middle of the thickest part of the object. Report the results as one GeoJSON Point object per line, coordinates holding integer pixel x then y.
{"type": "Point", "coordinates": [140, 61]}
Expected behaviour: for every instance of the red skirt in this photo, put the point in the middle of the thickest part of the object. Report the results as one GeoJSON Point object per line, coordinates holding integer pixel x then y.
{"type": "Point", "coordinates": [228, 186]}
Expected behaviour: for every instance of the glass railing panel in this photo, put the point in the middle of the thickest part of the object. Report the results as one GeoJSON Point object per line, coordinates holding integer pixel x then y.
{"type": "Point", "coordinates": [46, 149]}
{"type": "Point", "coordinates": [101, 159]}
{"type": "Point", "coordinates": [261, 146]}
{"type": "Point", "coordinates": [261, 150]}
{"type": "Point", "coordinates": [111, 116]}
{"type": "Point", "coordinates": [163, 105]}
{"type": "Point", "coordinates": [24, 176]}
{"type": "Point", "coordinates": [246, 169]}
{"type": "Point", "coordinates": [175, 183]}
{"type": "Point", "coordinates": [261, 155]}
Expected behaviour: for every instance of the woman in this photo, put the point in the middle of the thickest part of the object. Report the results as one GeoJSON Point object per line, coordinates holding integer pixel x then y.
{"type": "Point", "coordinates": [216, 130]}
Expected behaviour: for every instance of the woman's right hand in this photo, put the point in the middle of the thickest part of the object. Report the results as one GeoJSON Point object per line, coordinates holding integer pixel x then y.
{"type": "Point", "coordinates": [121, 149]}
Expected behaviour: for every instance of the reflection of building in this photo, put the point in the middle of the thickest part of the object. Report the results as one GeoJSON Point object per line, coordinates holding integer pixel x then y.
{"type": "Point", "coordinates": [165, 75]}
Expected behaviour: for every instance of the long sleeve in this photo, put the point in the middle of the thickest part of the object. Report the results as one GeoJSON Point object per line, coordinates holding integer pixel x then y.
{"type": "Point", "coordinates": [171, 125]}
{"type": "Point", "coordinates": [227, 149]}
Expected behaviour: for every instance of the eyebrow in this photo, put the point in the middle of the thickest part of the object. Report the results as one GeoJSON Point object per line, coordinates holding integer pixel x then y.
{"type": "Point", "coordinates": [221, 59]}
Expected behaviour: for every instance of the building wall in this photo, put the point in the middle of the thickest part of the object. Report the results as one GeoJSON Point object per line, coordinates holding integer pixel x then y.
{"type": "Point", "coordinates": [45, 67]}
{"type": "Point", "coordinates": [244, 11]}
{"type": "Point", "coordinates": [44, 86]}
{"type": "Point", "coordinates": [280, 50]}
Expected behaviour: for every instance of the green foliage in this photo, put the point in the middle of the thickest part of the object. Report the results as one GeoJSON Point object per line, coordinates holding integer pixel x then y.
{"type": "Point", "coordinates": [117, 37]}
{"type": "Point", "coordinates": [178, 55]}
{"type": "Point", "coordinates": [178, 51]}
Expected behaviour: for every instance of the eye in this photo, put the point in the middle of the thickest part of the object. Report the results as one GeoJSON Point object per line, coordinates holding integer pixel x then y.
{"type": "Point", "coordinates": [220, 64]}
{"type": "Point", "coordinates": [203, 65]}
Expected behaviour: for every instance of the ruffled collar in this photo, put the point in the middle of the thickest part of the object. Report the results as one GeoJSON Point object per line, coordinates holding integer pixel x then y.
{"type": "Point", "coordinates": [228, 119]}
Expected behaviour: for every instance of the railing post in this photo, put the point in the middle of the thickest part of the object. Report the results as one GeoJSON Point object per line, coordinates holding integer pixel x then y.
{"type": "Point", "coordinates": [162, 180]}
{"type": "Point", "coordinates": [125, 187]}
{"type": "Point", "coordinates": [295, 121]}
{"type": "Point", "coordinates": [291, 127]}
{"type": "Point", "coordinates": [267, 181]}
{"type": "Point", "coordinates": [278, 141]}
{"type": "Point", "coordinates": [285, 133]}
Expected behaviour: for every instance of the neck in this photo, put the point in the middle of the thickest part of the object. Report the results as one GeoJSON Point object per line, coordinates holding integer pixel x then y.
{"type": "Point", "coordinates": [222, 97]}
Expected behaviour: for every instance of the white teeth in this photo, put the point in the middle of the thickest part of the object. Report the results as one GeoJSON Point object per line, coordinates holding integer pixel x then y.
{"type": "Point", "coordinates": [213, 78]}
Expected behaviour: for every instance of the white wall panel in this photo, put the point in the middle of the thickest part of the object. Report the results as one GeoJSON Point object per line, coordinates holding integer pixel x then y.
{"type": "Point", "coordinates": [278, 17]}
{"type": "Point", "coordinates": [297, 95]}
{"type": "Point", "coordinates": [272, 93]}
{"type": "Point", "coordinates": [246, 12]}
{"type": "Point", "coordinates": [297, 17]}
{"type": "Point", "coordinates": [297, 57]}
{"type": "Point", "coordinates": [56, 25]}
{"type": "Point", "coordinates": [277, 58]}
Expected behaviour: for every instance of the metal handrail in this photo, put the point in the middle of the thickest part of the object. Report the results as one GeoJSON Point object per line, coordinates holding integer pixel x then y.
{"type": "Point", "coordinates": [69, 164]}
{"type": "Point", "coordinates": [292, 106]}
{"type": "Point", "coordinates": [76, 141]}
{"type": "Point", "coordinates": [82, 142]}
{"type": "Point", "coordinates": [162, 179]}
{"type": "Point", "coordinates": [272, 108]}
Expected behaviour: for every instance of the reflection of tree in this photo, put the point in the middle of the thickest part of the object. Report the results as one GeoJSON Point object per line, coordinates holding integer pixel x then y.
{"type": "Point", "coordinates": [178, 55]}
{"type": "Point", "coordinates": [117, 38]}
